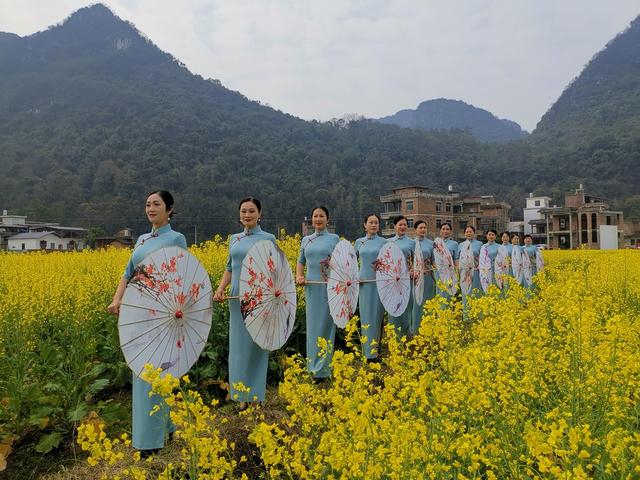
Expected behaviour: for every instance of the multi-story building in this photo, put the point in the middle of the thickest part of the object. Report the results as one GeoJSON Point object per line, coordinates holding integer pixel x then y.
{"type": "Point", "coordinates": [534, 222]}
{"type": "Point", "coordinates": [435, 208]}
{"type": "Point", "coordinates": [584, 220]}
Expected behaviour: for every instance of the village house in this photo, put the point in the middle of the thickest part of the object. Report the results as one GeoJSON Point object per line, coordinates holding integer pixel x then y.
{"type": "Point", "coordinates": [435, 208]}
{"type": "Point", "coordinates": [19, 234]}
{"type": "Point", "coordinates": [584, 220]}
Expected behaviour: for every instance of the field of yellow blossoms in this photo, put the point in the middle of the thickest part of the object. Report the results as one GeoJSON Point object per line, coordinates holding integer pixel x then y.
{"type": "Point", "coordinates": [529, 384]}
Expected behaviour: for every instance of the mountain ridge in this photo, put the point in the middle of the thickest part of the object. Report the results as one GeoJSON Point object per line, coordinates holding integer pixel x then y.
{"type": "Point", "coordinates": [447, 114]}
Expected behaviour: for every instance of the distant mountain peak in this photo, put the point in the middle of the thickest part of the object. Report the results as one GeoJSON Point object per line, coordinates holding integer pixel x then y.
{"type": "Point", "coordinates": [447, 114]}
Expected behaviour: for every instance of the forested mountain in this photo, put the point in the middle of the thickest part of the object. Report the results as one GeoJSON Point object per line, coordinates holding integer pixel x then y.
{"type": "Point", "coordinates": [93, 116]}
{"type": "Point", "coordinates": [593, 130]}
{"type": "Point", "coordinates": [444, 114]}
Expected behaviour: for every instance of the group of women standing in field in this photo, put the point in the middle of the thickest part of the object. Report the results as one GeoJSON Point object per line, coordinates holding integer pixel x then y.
{"type": "Point", "coordinates": [248, 362]}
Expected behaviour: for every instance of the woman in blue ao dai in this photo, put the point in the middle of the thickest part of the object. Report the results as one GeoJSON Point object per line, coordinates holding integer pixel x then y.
{"type": "Point", "coordinates": [248, 362]}
{"type": "Point", "coordinates": [516, 249]}
{"type": "Point", "coordinates": [492, 248]}
{"type": "Point", "coordinates": [369, 304]}
{"type": "Point", "coordinates": [505, 238]}
{"type": "Point", "coordinates": [402, 324]}
{"type": "Point", "coordinates": [531, 250]}
{"type": "Point", "coordinates": [452, 246]}
{"type": "Point", "coordinates": [315, 252]}
{"type": "Point", "coordinates": [428, 286]}
{"type": "Point", "coordinates": [148, 432]}
{"type": "Point", "coordinates": [476, 245]}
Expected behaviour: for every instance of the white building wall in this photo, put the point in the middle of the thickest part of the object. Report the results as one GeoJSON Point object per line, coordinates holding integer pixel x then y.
{"type": "Point", "coordinates": [53, 243]}
{"type": "Point", "coordinates": [608, 237]}
{"type": "Point", "coordinates": [532, 211]}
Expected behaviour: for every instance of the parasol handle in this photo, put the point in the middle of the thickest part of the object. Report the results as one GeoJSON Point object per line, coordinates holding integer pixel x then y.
{"type": "Point", "coordinates": [367, 281]}
{"type": "Point", "coordinates": [314, 282]}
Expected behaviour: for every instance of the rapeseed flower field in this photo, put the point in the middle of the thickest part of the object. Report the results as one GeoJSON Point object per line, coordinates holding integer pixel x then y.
{"type": "Point", "coordinates": [541, 383]}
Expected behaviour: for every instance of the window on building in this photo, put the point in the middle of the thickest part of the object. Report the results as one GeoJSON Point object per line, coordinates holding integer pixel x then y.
{"type": "Point", "coordinates": [52, 245]}
{"type": "Point", "coordinates": [537, 203]}
{"type": "Point", "coordinates": [438, 223]}
{"type": "Point", "coordinates": [457, 209]}
{"type": "Point", "coordinates": [584, 235]}
{"type": "Point", "coordinates": [24, 246]}
{"type": "Point", "coordinates": [594, 231]}
{"type": "Point", "coordinates": [409, 205]}
{"type": "Point", "coordinates": [562, 223]}
{"type": "Point", "coordinates": [462, 225]}
{"type": "Point", "coordinates": [438, 206]}
{"type": "Point", "coordinates": [410, 222]}
{"type": "Point", "coordinates": [449, 221]}
{"type": "Point", "coordinates": [608, 220]}
{"type": "Point", "coordinates": [447, 207]}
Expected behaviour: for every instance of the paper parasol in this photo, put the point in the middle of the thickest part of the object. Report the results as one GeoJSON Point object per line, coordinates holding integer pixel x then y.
{"type": "Point", "coordinates": [444, 266]}
{"type": "Point", "coordinates": [392, 279]}
{"type": "Point", "coordinates": [165, 315]}
{"type": "Point", "coordinates": [501, 265]}
{"type": "Point", "coordinates": [267, 295]}
{"type": "Point", "coordinates": [527, 269]}
{"type": "Point", "coordinates": [418, 274]}
{"type": "Point", "coordinates": [485, 268]}
{"type": "Point", "coordinates": [342, 284]}
{"type": "Point", "coordinates": [517, 263]}
{"type": "Point", "coordinates": [539, 261]}
{"type": "Point", "coordinates": [467, 265]}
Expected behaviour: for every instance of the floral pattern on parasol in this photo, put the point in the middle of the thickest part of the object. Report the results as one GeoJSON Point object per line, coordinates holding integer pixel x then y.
{"type": "Point", "coordinates": [165, 315]}
{"type": "Point", "coordinates": [392, 279]}
{"type": "Point", "coordinates": [443, 263]}
{"type": "Point", "coordinates": [501, 267]}
{"type": "Point", "coordinates": [418, 273]}
{"type": "Point", "coordinates": [267, 295]}
{"type": "Point", "coordinates": [467, 266]}
{"type": "Point", "coordinates": [485, 268]}
{"type": "Point", "coordinates": [342, 283]}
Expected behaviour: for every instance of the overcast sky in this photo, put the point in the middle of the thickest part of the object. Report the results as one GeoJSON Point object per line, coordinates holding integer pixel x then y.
{"type": "Point", "coordinates": [323, 59]}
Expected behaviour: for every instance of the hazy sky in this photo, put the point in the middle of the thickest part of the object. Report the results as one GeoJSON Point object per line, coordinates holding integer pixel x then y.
{"type": "Point", "coordinates": [323, 59]}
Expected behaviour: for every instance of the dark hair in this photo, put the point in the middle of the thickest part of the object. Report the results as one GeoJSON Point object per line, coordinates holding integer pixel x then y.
{"type": "Point", "coordinates": [527, 236]}
{"type": "Point", "coordinates": [366, 219]}
{"type": "Point", "coordinates": [514, 236]}
{"type": "Point", "coordinates": [323, 208]}
{"type": "Point", "coordinates": [253, 200]}
{"type": "Point", "coordinates": [492, 230]}
{"type": "Point", "coordinates": [447, 224]}
{"type": "Point", "coordinates": [504, 233]}
{"type": "Point", "coordinates": [471, 227]}
{"type": "Point", "coordinates": [398, 218]}
{"type": "Point", "coordinates": [166, 197]}
{"type": "Point", "coordinates": [418, 223]}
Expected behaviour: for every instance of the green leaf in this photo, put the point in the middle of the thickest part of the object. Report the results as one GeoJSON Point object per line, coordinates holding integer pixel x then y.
{"type": "Point", "coordinates": [48, 442]}
{"type": "Point", "coordinates": [98, 385]}
{"type": "Point", "coordinates": [78, 413]}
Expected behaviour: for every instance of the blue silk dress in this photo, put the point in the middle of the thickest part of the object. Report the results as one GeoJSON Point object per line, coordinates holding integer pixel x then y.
{"type": "Point", "coordinates": [148, 431]}
{"type": "Point", "coordinates": [315, 251]}
{"type": "Point", "coordinates": [509, 248]}
{"type": "Point", "coordinates": [247, 361]}
{"type": "Point", "coordinates": [369, 304]}
{"type": "Point", "coordinates": [476, 286]}
{"type": "Point", "coordinates": [492, 248]}
{"type": "Point", "coordinates": [452, 246]}
{"type": "Point", "coordinates": [532, 251]}
{"type": "Point", "coordinates": [428, 287]}
{"type": "Point", "coordinates": [402, 324]}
